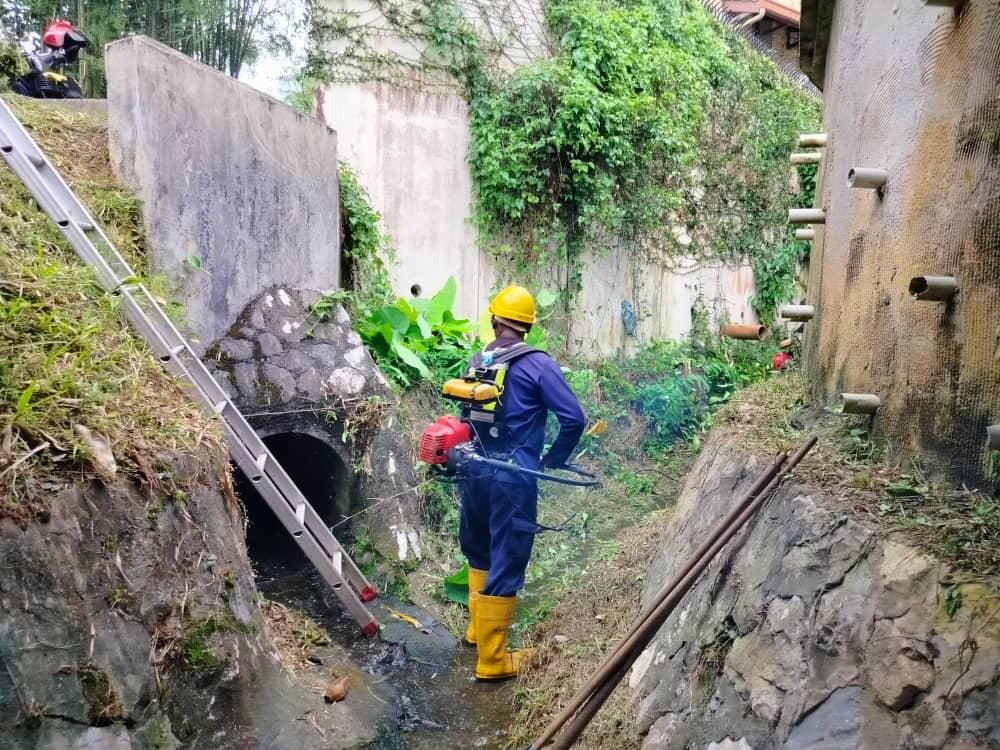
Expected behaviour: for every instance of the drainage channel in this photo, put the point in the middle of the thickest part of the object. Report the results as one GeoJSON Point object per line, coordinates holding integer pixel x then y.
{"type": "Point", "coordinates": [422, 676]}
{"type": "Point", "coordinates": [415, 683]}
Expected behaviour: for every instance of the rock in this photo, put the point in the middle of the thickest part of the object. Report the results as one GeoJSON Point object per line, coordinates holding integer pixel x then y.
{"type": "Point", "coordinates": [336, 690]}
{"type": "Point", "coordinates": [245, 375]}
{"type": "Point", "coordinates": [834, 725]}
{"type": "Point", "coordinates": [310, 385]}
{"type": "Point", "coordinates": [730, 744]}
{"type": "Point", "coordinates": [281, 379]}
{"type": "Point", "coordinates": [357, 357]}
{"type": "Point", "coordinates": [237, 350]}
{"type": "Point", "coordinates": [824, 621]}
{"type": "Point", "coordinates": [270, 345]}
{"type": "Point", "coordinates": [296, 360]}
{"type": "Point", "coordinates": [346, 381]}
{"type": "Point", "coordinates": [898, 672]}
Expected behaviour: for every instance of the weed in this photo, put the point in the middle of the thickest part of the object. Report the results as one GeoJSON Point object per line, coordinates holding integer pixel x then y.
{"type": "Point", "coordinates": [72, 359]}
{"type": "Point", "coordinates": [712, 657]}
{"type": "Point", "coordinates": [103, 705]}
{"type": "Point", "coordinates": [117, 597]}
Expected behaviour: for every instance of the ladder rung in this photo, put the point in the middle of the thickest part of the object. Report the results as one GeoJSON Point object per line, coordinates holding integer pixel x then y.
{"type": "Point", "coordinates": [37, 160]}
{"type": "Point", "coordinates": [338, 562]}
{"type": "Point", "coordinates": [176, 350]}
{"type": "Point", "coordinates": [300, 513]}
{"type": "Point", "coordinates": [260, 461]}
{"type": "Point", "coordinates": [219, 407]}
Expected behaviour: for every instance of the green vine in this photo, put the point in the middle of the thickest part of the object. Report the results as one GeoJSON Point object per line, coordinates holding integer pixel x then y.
{"type": "Point", "coordinates": [365, 251]}
{"type": "Point", "coordinates": [649, 128]}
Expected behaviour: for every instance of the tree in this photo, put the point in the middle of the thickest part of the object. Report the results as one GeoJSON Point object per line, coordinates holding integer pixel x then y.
{"type": "Point", "coordinates": [225, 34]}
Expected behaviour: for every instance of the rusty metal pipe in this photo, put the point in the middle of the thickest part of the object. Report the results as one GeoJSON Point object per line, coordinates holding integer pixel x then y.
{"type": "Point", "coordinates": [993, 437]}
{"type": "Point", "coordinates": [867, 177]}
{"type": "Point", "coordinates": [860, 403]}
{"type": "Point", "coordinates": [805, 234]}
{"type": "Point", "coordinates": [797, 312]}
{"type": "Point", "coordinates": [809, 157]}
{"type": "Point", "coordinates": [812, 139]}
{"type": "Point", "coordinates": [606, 668]}
{"type": "Point", "coordinates": [743, 331]}
{"type": "Point", "coordinates": [933, 288]}
{"type": "Point", "coordinates": [608, 678]}
{"type": "Point", "coordinates": [806, 216]}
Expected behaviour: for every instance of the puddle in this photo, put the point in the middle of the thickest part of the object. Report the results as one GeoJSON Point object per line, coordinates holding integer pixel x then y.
{"type": "Point", "coordinates": [425, 676]}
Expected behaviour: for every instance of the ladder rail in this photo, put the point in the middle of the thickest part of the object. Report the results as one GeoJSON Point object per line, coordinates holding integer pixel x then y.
{"type": "Point", "coordinates": [174, 352]}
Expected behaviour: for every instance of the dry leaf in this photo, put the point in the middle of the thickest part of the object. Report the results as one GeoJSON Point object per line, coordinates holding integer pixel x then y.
{"type": "Point", "coordinates": [336, 690]}
{"type": "Point", "coordinates": [100, 451]}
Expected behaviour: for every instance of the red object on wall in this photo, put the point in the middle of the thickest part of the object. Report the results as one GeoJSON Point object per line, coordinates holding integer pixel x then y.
{"type": "Point", "coordinates": [781, 360]}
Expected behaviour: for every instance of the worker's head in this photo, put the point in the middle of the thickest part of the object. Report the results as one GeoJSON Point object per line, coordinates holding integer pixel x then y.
{"type": "Point", "coordinates": [513, 310]}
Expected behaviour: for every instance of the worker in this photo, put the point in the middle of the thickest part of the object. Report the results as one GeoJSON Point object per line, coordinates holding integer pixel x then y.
{"type": "Point", "coordinates": [499, 508]}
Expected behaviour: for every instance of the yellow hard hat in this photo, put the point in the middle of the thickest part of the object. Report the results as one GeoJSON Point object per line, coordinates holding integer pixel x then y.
{"type": "Point", "coordinates": [514, 303]}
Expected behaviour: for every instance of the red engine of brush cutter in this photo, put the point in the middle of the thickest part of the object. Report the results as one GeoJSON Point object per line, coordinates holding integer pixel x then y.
{"type": "Point", "coordinates": [444, 434]}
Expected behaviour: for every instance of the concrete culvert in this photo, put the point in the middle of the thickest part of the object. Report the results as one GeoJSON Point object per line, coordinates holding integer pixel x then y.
{"type": "Point", "coordinates": [320, 475]}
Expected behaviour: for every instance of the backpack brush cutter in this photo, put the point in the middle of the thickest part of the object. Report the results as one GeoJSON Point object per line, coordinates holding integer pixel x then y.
{"type": "Point", "coordinates": [448, 446]}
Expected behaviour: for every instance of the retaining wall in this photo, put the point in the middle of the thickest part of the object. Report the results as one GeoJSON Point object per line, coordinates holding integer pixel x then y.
{"type": "Point", "coordinates": [929, 114]}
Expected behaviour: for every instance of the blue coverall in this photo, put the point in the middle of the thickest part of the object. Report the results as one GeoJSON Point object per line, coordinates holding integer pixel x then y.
{"type": "Point", "coordinates": [499, 508]}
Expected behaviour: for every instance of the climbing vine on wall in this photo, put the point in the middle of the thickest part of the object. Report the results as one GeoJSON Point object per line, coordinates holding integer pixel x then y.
{"type": "Point", "coordinates": [648, 130]}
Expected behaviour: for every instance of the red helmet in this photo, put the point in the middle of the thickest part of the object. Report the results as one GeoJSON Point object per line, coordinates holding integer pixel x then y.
{"type": "Point", "coordinates": [55, 33]}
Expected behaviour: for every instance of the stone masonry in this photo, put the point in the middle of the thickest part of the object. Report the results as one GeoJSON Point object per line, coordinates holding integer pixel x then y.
{"type": "Point", "coordinates": [289, 371]}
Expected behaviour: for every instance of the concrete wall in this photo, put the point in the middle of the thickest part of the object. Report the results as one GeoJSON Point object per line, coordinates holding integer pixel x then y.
{"type": "Point", "coordinates": [227, 175]}
{"type": "Point", "coordinates": [929, 114]}
{"type": "Point", "coordinates": [410, 148]}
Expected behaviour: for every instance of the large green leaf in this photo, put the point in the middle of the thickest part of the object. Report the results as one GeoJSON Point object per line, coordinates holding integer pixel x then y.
{"type": "Point", "coordinates": [456, 586]}
{"type": "Point", "coordinates": [394, 317]}
{"type": "Point", "coordinates": [425, 327]}
{"type": "Point", "coordinates": [442, 302]}
{"type": "Point", "coordinates": [546, 298]}
{"type": "Point", "coordinates": [408, 356]}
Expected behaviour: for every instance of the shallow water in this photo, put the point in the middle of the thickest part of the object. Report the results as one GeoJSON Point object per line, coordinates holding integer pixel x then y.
{"type": "Point", "coordinates": [426, 679]}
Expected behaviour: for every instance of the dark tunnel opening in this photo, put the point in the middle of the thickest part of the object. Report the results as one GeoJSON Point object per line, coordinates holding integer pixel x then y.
{"type": "Point", "coordinates": [320, 475]}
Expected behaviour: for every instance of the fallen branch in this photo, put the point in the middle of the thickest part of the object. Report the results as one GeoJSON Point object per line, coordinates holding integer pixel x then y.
{"type": "Point", "coordinates": [25, 457]}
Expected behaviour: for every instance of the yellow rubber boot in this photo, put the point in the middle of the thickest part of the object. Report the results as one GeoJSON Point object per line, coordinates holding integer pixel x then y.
{"type": "Point", "coordinates": [477, 579]}
{"type": "Point", "coordinates": [494, 614]}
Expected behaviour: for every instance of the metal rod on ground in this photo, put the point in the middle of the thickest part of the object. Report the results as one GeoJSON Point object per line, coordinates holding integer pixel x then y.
{"type": "Point", "coordinates": [626, 654]}
{"type": "Point", "coordinates": [595, 682]}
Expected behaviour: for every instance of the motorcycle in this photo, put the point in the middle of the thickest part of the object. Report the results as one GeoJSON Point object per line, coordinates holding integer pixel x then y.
{"type": "Point", "coordinates": [60, 45]}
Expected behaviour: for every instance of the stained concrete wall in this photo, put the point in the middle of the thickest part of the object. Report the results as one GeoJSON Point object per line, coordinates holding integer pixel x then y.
{"type": "Point", "coordinates": [929, 114]}
{"type": "Point", "coordinates": [410, 149]}
{"type": "Point", "coordinates": [226, 175]}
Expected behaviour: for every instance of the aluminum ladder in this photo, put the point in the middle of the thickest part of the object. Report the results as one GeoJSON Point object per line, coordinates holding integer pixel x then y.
{"type": "Point", "coordinates": [246, 448]}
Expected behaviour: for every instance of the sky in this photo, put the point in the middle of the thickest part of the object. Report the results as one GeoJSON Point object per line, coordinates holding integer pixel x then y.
{"type": "Point", "coordinates": [272, 72]}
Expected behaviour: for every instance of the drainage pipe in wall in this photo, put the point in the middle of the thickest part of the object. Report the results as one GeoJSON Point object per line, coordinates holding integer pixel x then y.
{"type": "Point", "coordinates": [860, 403]}
{"type": "Point", "coordinates": [806, 216]}
{"type": "Point", "coordinates": [740, 331]}
{"type": "Point", "coordinates": [806, 158]}
{"type": "Point", "coordinates": [867, 178]}
{"type": "Point", "coordinates": [812, 139]}
{"type": "Point", "coordinates": [797, 312]}
{"type": "Point", "coordinates": [993, 437]}
{"type": "Point", "coordinates": [933, 288]}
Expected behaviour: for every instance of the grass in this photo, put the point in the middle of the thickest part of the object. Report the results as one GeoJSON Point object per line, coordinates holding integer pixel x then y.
{"type": "Point", "coordinates": [294, 634]}
{"type": "Point", "coordinates": [859, 474]}
{"type": "Point", "coordinates": [72, 358]}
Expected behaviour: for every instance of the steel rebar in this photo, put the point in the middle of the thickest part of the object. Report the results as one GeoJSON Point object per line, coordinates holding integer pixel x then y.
{"type": "Point", "coordinates": [588, 701]}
